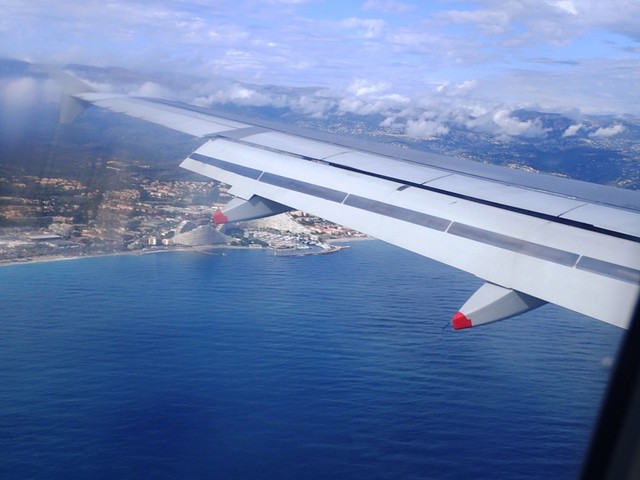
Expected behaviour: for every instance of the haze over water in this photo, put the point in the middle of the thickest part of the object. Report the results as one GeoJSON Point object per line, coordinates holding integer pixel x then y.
{"type": "Point", "coordinates": [248, 365]}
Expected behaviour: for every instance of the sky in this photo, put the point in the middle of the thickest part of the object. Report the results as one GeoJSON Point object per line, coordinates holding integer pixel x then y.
{"type": "Point", "coordinates": [448, 58]}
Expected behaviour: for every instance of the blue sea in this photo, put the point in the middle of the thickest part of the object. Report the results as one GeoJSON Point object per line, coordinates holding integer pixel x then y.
{"type": "Point", "coordinates": [244, 365]}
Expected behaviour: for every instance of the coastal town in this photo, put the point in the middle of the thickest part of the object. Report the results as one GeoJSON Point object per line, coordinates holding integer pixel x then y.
{"type": "Point", "coordinates": [45, 217]}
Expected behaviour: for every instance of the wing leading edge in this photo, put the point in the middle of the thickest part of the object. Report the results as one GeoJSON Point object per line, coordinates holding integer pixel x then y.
{"type": "Point", "coordinates": [532, 239]}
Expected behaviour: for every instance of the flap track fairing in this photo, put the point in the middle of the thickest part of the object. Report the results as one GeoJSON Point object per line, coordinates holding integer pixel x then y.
{"type": "Point", "coordinates": [239, 210]}
{"type": "Point", "coordinates": [492, 303]}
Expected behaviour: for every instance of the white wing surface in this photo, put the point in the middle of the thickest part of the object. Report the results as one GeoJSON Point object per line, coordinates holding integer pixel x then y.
{"type": "Point", "coordinates": [532, 238]}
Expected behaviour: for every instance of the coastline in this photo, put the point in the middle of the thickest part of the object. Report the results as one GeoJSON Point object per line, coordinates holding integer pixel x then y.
{"type": "Point", "coordinates": [198, 249]}
{"type": "Point", "coordinates": [61, 258]}
{"type": "Point", "coordinates": [350, 239]}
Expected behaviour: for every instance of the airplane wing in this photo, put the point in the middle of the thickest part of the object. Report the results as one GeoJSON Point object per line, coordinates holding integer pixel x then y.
{"type": "Point", "coordinates": [532, 238]}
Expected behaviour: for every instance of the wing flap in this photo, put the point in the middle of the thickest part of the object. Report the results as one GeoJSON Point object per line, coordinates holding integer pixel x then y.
{"type": "Point", "coordinates": [495, 192]}
{"type": "Point", "coordinates": [492, 303]}
{"type": "Point", "coordinates": [618, 220]}
{"type": "Point", "coordinates": [296, 145]}
{"type": "Point", "coordinates": [386, 167]}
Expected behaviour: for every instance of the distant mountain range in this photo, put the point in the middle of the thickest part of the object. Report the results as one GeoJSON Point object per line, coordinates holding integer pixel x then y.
{"type": "Point", "coordinates": [607, 160]}
{"type": "Point", "coordinates": [596, 148]}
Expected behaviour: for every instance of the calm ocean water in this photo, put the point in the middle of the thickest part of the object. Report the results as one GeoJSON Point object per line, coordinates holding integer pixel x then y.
{"type": "Point", "coordinates": [247, 365]}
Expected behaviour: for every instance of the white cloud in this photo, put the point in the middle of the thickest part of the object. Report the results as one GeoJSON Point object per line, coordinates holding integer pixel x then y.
{"type": "Point", "coordinates": [242, 95]}
{"type": "Point", "coordinates": [368, 28]}
{"type": "Point", "coordinates": [498, 121]}
{"type": "Point", "coordinates": [489, 21]}
{"type": "Point", "coordinates": [425, 129]}
{"type": "Point", "coordinates": [566, 6]}
{"type": "Point", "coordinates": [388, 6]}
{"type": "Point", "coordinates": [152, 89]}
{"type": "Point", "coordinates": [552, 21]}
{"type": "Point", "coordinates": [361, 87]}
{"type": "Point", "coordinates": [572, 130]}
{"type": "Point", "coordinates": [365, 97]}
{"type": "Point", "coordinates": [610, 131]}
{"type": "Point", "coordinates": [315, 107]}
{"type": "Point", "coordinates": [459, 89]}
{"type": "Point", "coordinates": [513, 127]}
